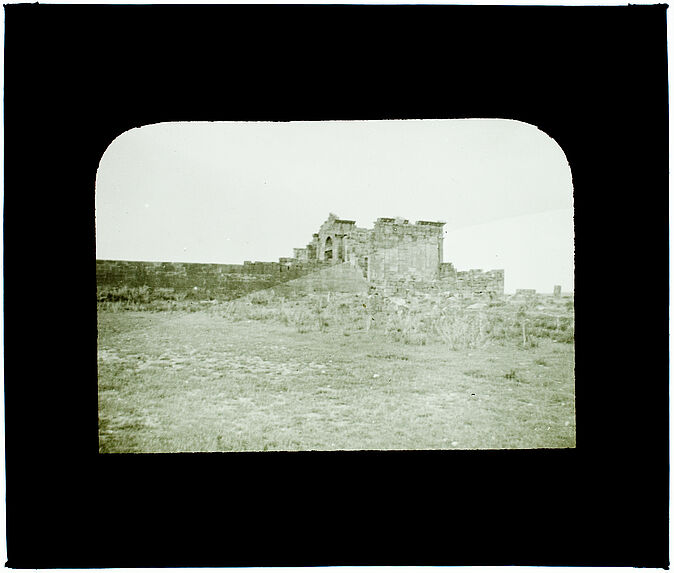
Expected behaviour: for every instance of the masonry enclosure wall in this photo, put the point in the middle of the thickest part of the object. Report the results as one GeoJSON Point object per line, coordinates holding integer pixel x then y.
{"type": "Point", "coordinates": [394, 256]}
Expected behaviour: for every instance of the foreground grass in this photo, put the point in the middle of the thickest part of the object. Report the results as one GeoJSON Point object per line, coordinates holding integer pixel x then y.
{"type": "Point", "coordinates": [199, 381]}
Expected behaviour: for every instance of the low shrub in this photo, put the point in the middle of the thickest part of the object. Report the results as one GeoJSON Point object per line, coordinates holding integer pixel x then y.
{"type": "Point", "coordinates": [263, 297]}
{"type": "Point", "coordinates": [463, 329]}
{"type": "Point", "coordinates": [148, 298]}
{"type": "Point", "coordinates": [414, 320]}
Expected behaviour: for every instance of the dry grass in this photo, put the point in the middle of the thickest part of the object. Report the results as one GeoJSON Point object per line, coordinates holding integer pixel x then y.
{"type": "Point", "coordinates": [331, 372]}
{"type": "Point", "coordinates": [416, 319]}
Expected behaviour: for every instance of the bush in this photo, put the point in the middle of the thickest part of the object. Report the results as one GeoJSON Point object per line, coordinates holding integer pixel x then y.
{"type": "Point", "coordinates": [145, 298]}
{"type": "Point", "coordinates": [407, 328]}
{"type": "Point", "coordinates": [463, 329]}
{"type": "Point", "coordinates": [262, 297]}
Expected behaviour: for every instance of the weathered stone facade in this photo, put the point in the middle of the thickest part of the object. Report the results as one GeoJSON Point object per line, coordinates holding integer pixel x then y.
{"type": "Point", "coordinates": [393, 249]}
{"type": "Point", "coordinates": [396, 255]}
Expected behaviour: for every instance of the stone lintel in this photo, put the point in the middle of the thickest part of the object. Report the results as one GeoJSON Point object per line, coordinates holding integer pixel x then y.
{"type": "Point", "coordinates": [391, 221]}
{"type": "Point", "coordinates": [431, 223]}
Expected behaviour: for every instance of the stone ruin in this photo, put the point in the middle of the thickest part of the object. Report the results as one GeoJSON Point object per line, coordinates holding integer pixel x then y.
{"type": "Point", "coordinates": [395, 255]}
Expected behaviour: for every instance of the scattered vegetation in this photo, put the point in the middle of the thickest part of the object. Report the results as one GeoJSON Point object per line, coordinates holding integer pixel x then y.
{"type": "Point", "coordinates": [201, 381]}
{"type": "Point", "coordinates": [418, 319]}
{"type": "Point", "coordinates": [152, 299]}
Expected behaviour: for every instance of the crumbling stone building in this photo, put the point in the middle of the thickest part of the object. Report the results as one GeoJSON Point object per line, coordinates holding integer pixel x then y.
{"type": "Point", "coordinates": [393, 249]}
{"type": "Point", "coordinates": [395, 254]}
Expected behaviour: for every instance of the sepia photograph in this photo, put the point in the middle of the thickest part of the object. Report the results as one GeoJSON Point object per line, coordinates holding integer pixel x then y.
{"type": "Point", "coordinates": [335, 285]}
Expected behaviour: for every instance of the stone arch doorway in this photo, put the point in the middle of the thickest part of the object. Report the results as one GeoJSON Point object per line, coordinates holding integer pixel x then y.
{"type": "Point", "coordinates": [327, 250]}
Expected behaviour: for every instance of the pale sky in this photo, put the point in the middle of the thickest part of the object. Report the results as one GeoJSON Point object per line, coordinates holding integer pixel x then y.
{"type": "Point", "coordinates": [225, 192]}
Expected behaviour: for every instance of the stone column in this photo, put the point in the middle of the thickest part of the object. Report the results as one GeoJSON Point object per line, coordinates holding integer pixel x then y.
{"type": "Point", "coordinates": [338, 249]}
{"type": "Point", "coordinates": [335, 249]}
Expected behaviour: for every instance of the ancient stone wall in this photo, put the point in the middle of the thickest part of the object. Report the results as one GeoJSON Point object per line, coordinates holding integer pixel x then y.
{"type": "Point", "coordinates": [394, 256]}
{"type": "Point", "coordinates": [359, 248]}
{"type": "Point", "coordinates": [216, 280]}
{"type": "Point", "coordinates": [477, 281]}
{"type": "Point", "coordinates": [463, 283]}
{"type": "Point", "coordinates": [402, 250]}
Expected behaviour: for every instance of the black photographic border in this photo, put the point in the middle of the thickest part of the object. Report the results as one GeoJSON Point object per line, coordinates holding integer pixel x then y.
{"type": "Point", "coordinates": [593, 78]}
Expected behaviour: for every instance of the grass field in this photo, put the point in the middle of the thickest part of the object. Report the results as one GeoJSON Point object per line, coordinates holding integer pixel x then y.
{"type": "Point", "coordinates": [268, 374]}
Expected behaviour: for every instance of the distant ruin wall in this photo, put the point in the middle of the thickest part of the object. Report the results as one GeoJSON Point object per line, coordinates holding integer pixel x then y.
{"type": "Point", "coordinates": [461, 283]}
{"type": "Point", "coordinates": [480, 282]}
{"type": "Point", "coordinates": [228, 281]}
